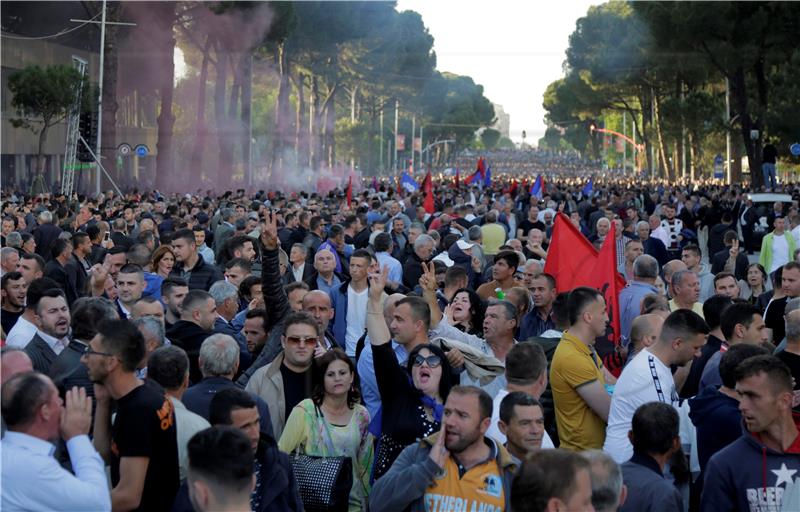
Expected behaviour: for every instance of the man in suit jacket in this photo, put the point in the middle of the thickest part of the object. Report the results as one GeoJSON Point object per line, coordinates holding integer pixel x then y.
{"type": "Point", "coordinates": [119, 234]}
{"type": "Point", "coordinates": [56, 270]}
{"type": "Point", "coordinates": [720, 260]}
{"type": "Point", "coordinates": [77, 267]}
{"type": "Point", "coordinates": [746, 219]}
{"type": "Point", "coordinates": [45, 233]}
{"type": "Point", "coordinates": [52, 318]}
{"type": "Point", "coordinates": [224, 231]}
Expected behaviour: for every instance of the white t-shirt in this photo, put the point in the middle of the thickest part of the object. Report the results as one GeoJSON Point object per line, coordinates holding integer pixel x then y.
{"type": "Point", "coordinates": [356, 318]}
{"type": "Point", "coordinates": [494, 430]}
{"type": "Point", "coordinates": [21, 334]}
{"type": "Point", "coordinates": [780, 252]}
{"type": "Point", "coordinates": [638, 385]}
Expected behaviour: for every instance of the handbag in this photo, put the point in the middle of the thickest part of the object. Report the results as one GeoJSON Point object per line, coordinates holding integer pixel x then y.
{"type": "Point", "coordinates": [324, 483]}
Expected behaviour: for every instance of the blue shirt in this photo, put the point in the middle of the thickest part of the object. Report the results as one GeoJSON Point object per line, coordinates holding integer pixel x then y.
{"type": "Point", "coordinates": [533, 325]}
{"type": "Point", "coordinates": [630, 305]}
{"type": "Point", "coordinates": [323, 285]}
{"type": "Point", "coordinates": [34, 480]}
{"type": "Point", "coordinates": [366, 372]}
{"type": "Point", "coordinates": [395, 268]}
{"type": "Point", "coordinates": [329, 246]}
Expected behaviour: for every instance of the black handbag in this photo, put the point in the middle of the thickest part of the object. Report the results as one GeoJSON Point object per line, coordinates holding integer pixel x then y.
{"type": "Point", "coordinates": [324, 483]}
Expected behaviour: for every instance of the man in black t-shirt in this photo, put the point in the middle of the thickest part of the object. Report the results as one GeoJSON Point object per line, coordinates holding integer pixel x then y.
{"type": "Point", "coordinates": [14, 289]}
{"type": "Point", "coordinates": [141, 445]}
{"type": "Point", "coordinates": [531, 222]}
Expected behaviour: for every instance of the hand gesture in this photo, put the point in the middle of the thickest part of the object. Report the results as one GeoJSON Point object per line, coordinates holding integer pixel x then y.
{"type": "Point", "coordinates": [735, 249]}
{"type": "Point", "coordinates": [269, 231]}
{"type": "Point", "coordinates": [477, 265]}
{"type": "Point", "coordinates": [428, 279]}
{"type": "Point", "coordinates": [256, 303]}
{"type": "Point", "coordinates": [320, 349]}
{"type": "Point", "coordinates": [99, 275]}
{"type": "Point", "coordinates": [377, 282]}
{"type": "Point", "coordinates": [448, 314]}
{"type": "Point", "coordinates": [439, 452]}
{"type": "Point", "coordinates": [76, 418]}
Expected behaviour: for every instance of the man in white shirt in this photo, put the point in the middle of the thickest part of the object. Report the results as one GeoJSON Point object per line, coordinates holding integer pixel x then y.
{"type": "Point", "coordinates": [526, 372]}
{"type": "Point", "coordinates": [169, 366]}
{"type": "Point", "coordinates": [357, 296]}
{"type": "Point", "coordinates": [25, 328]}
{"type": "Point", "coordinates": [648, 377]}
{"type": "Point", "coordinates": [131, 285]}
{"type": "Point", "coordinates": [32, 479]}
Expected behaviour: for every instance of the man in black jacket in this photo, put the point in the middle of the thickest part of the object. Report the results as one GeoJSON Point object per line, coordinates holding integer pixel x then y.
{"type": "Point", "coordinates": [198, 313]}
{"type": "Point", "coordinates": [276, 488]}
{"type": "Point", "coordinates": [190, 265]}
{"type": "Point", "coordinates": [730, 259]}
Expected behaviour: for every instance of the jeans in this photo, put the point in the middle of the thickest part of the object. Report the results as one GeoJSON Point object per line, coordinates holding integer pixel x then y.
{"type": "Point", "coordinates": [769, 175]}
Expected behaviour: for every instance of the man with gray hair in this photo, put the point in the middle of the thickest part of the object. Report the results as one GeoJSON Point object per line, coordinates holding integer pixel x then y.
{"type": "Point", "coordinates": [669, 269]}
{"type": "Point", "coordinates": [686, 292]}
{"type": "Point", "coordinates": [608, 491]}
{"type": "Point", "coordinates": [14, 240]}
{"type": "Point", "coordinates": [652, 245]}
{"type": "Point", "coordinates": [224, 231]}
{"type": "Point", "coordinates": [226, 297]}
{"type": "Point", "coordinates": [423, 253]}
{"type": "Point", "coordinates": [645, 272]}
{"type": "Point", "coordinates": [45, 234]}
{"type": "Point", "coordinates": [9, 257]}
{"type": "Point", "coordinates": [219, 363]}
{"type": "Point", "coordinates": [153, 333]}
{"type": "Point", "coordinates": [791, 305]}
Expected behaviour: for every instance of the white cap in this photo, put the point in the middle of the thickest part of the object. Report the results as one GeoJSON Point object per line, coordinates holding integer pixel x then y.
{"type": "Point", "coordinates": [464, 245]}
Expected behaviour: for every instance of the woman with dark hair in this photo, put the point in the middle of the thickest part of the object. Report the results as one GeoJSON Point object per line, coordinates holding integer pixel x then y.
{"type": "Point", "coordinates": [756, 284]}
{"type": "Point", "coordinates": [333, 424]}
{"type": "Point", "coordinates": [162, 261]}
{"type": "Point", "coordinates": [412, 399]}
{"type": "Point", "coordinates": [468, 310]}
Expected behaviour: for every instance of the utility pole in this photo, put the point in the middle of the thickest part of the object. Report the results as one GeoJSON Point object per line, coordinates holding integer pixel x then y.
{"type": "Point", "coordinates": [396, 118]}
{"type": "Point", "coordinates": [413, 147]}
{"type": "Point", "coordinates": [728, 132]}
{"type": "Point", "coordinates": [683, 134]}
{"type": "Point", "coordinates": [103, 24]}
{"type": "Point", "coordinates": [625, 146]}
{"type": "Point", "coordinates": [381, 141]}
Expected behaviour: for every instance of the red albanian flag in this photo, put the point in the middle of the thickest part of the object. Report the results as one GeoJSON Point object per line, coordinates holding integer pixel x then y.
{"type": "Point", "coordinates": [427, 190]}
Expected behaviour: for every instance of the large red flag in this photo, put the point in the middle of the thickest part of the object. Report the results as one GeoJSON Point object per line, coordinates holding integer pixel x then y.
{"type": "Point", "coordinates": [574, 261]}
{"type": "Point", "coordinates": [427, 190]}
{"type": "Point", "coordinates": [349, 191]}
{"type": "Point", "coordinates": [458, 178]}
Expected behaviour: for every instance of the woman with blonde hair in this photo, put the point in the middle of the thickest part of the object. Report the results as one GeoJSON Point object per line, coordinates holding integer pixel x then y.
{"type": "Point", "coordinates": [162, 261]}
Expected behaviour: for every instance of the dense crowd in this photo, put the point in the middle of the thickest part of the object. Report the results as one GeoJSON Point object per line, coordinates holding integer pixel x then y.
{"type": "Point", "coordinates": [531, 160]}
{"type": "Point", "coordinates": [274, 352]}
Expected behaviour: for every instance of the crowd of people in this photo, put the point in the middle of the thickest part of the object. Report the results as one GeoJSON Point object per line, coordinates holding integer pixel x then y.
{"type": "Point", "coordinates": [276, 351]}
{"type": "Point", "coordinates": [531, 161]}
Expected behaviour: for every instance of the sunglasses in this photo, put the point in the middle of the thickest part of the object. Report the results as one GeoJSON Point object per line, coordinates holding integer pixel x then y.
{"type": "Point", "coordinates": [296, 340]}
{"type": "Point", "coordinates": [432, 361]}
{"type": "Point", "coordinates": [89, 352]}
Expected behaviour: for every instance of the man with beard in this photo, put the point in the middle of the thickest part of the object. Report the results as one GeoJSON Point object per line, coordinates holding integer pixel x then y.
{"type": "Point", "coordinates": [52, 337]}
{"type": "Point", "coordinates": [458, 465]}
{"type": "Point", "coordinates": [173, 291]}
{"type": "Point", "coordinates": [141, 443]}
{"type": "Point", "coordinates": [14, 289]}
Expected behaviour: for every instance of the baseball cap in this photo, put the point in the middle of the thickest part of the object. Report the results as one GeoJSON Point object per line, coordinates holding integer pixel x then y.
{"type": "Point", "coordinates": [464, 245]}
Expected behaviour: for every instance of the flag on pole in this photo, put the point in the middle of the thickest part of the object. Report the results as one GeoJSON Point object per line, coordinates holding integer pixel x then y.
{"type": "Point", "coordinates": [408, 184]}
{"type": "Point", "coordinates": [487, 179]}
{"type": "Point", "coordinates": [458, 177]}
{"type": "Point", "coordinates": [427, 190]}
{"type": "Point", "coordinates": [349, 191]}
{"type": "Point", "coordinates": [537, 189]}
{"type": "Point", "coordinates": [480, 171]}
{"type": "Point", "coordinates": [587, 189]}
{"type": "Point", "coordinates": [573, 261]}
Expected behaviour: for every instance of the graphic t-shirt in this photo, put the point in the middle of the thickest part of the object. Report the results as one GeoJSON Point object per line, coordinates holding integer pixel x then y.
{"type": "Point", "coordinates": [478, 488]}
{"type": "Point", "coordinates": [145, 427]}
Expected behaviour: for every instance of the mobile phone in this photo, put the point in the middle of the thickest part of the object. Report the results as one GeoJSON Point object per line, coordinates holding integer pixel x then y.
{"type": "Point", "coordinates": [107, 236]}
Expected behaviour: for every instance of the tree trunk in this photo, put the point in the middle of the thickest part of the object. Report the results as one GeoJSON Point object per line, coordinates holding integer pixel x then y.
{"type": "Point", "coordinates": [225, 154]}
{"type": "Point", "coordinates": [330, 128]}
{"type": "Point", "coordinates": [166, 120]}
{"type": "Point", "coordinates": [300, 139]}
{"type": "Point", "coordinates": [247, 98]}
{"type": "Point", "coordinates": [201, 127]}
{"type": "Point", "coordinates": [662, 147]}
{"type": "Point", "coordinates": [40, 158]}
{"type": "Point", "coordinates": [282, 108]}
{"type": "Point", "coordinates": [313, 122]}
{"type": "Point", "coordinates": [752, 147]}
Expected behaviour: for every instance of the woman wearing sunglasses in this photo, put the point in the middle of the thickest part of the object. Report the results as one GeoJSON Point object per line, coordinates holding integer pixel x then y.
{"type": "Point", "coordinates": [333, 424]}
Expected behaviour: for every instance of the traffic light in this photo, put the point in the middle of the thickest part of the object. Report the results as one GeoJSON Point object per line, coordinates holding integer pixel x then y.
{"type": "Point", "coordinates": [87, 127]}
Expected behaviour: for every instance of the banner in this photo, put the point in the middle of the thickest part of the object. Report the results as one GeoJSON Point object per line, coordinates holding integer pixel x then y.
{"type": "Point", "coordinates": [400, 142]}
{"type": "Point", "coordinates": [417, 144]}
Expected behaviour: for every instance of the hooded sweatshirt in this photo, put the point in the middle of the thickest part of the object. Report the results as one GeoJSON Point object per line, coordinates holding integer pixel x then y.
{"type": "Point", "coordinates": [717, 420]}
{"type": "Point", "coordinates": [749, 476]}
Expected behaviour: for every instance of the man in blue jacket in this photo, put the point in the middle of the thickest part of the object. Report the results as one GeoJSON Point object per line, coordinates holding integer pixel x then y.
{"type": "Point", "coordinates": [755, 471]}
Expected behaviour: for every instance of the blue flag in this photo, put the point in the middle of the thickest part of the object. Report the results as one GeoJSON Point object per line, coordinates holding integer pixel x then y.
{"type": "Point", "coordinates": [487, 180]}
{"type": "Point", "coordinates": [536, 188]}
{"type": "Point", "coordinates": [587, 189]}
{"type": "Point", "coordinates": [408, 183]}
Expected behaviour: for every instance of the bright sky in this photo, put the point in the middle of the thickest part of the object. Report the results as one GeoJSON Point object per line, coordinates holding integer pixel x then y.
{"type": "Point", "coordinates": [514, 48]}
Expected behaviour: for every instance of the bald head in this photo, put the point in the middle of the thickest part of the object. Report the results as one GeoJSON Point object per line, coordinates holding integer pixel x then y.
{"type": "Point", "coordinates": [13, 362]}
{"type": "Point", "coordinates": [645, 330]}
{"type": "Point", "coordinates": [316, 297]}
{"type": "Point", "coordinates": [792, 327]}
{"type": "Point", "coordinates": [390, 304]}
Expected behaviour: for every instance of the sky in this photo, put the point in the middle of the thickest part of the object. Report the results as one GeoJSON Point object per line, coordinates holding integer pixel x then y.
{"type": "Point", "coordinates": [514, 48]}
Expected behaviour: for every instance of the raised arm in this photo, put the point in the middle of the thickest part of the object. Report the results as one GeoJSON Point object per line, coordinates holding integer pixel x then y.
{"type": "Point", "coordinates": [377, 329]}
{"type": "Point", "coordinates": [428, 284]}
{"type": "Point", "coordinates": [271, 284]}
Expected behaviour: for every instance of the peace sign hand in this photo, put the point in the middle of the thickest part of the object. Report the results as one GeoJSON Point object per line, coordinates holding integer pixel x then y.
{"type": "Point", "coordinates": [377, 282]}
{"type": "Point", "coordinates": [269, 231]}
{"type": "Point", "coordinates": [428, 279]}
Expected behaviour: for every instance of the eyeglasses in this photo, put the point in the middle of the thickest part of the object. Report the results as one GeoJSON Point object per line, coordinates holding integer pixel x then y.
{"type": "Point", "coordinates": [89, 352]}
{"type": "Point", "coordinates": [296, 340]}
{"type": "Point", "coordinates": [431, 361]}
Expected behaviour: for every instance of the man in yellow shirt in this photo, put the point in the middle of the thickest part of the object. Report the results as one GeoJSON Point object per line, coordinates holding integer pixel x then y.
{"type": "Point", "coordinates": [686, 292]}
{"type": "Point", "coordinates": [493, 234]}
{"type": "Point", "coordinates": [577, 375]}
